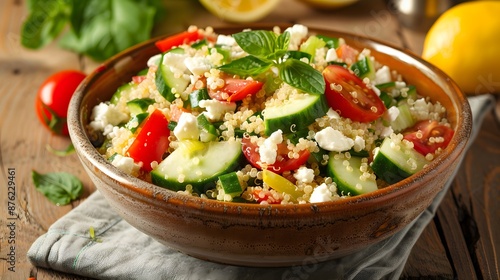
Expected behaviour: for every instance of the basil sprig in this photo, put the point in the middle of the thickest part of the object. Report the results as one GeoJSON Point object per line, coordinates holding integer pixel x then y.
{"type": "Point", "coordinates": [265, 49]}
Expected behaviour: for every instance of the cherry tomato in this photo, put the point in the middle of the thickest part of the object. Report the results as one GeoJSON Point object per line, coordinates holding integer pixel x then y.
{"type": "Point", "coordinates": [423, 134]}
{"type": "Point", "coordinates": [235, 89]}
{"type": "Point", "coordinates": [53, 98]}
{"type": "Point", "coordinates": [283, 162]}
{"type": "Point", "coordinates": [138, 79]}
{"type": "Point", "coordinates": [151, 141]}
{"type": "Point", "coordinates": [185, 37]}
{"type": "Point", "coordinates": [347, 94]}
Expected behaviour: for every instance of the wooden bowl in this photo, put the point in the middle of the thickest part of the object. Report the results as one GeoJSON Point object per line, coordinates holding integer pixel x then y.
{"type": "Point", "coordinates": [271, 235]}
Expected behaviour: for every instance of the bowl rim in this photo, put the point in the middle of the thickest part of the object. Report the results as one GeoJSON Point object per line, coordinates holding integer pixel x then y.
{"type": "Point", "coordinates": [142, 189]}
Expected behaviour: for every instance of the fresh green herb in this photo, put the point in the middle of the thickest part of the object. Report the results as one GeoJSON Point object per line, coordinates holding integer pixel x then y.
{"type": "Point", "coordinates": [98, 28]}
{"type": "Point", "coordinates": [265, 49]}
{"type": "Point", "coordinates": [62, 153]}
{"type": "Point", "coordinates": [59, 187]}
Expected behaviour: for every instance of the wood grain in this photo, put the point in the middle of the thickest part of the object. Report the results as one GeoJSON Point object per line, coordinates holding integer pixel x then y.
{"type": "Point", "coordinates": [453, 246]}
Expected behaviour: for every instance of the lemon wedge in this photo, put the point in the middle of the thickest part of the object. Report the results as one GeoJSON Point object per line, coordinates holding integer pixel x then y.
{"type": "Point", "coordinates": [240, 10]}
{"type": "Point", "coordinates": [329, 4]}
{"type": "Point", "coordinates": [464, 43]}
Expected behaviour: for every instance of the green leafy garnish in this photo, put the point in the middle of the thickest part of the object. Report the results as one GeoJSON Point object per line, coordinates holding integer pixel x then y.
{"type": "Point", "coordinates": [62, 153]}
{"type": "Point", "coordinates": [59, 187]}
{"type": "Point", "coordinates": [98, 28]}
{"type": "Point", "coordinates": [266, 49]}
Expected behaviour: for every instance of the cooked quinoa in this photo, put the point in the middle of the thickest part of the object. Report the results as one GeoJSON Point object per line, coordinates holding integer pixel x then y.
{"type": "Point", "coordinates": [308, 148]}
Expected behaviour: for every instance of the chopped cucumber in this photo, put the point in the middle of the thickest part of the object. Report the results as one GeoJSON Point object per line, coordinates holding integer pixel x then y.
{"type": "Point", "coordinates": [231, 184]}
{"type": "Point", "coordinates": [331, 42]}
{"type": "Point", "coordinates": [294, 114]}
{"type": "Point", "coordinates": [364, 68]}
{"type": "Point", "coordinates": [123, 90]}
{"type": "Point", "coordinates": [343, 64]}
{"type": "Point", "coordinates": [388, 100]}
{"type": "Point", "coordinates": [311, 44]}
{"type": "Point", "coordinates": [395, 162]}
{"type": "Point", "coordinates": [139, 105]}
{"type": "Point", "coordinates": [166, 81]}
{"type": "Point", "coordinates": [208, 132]}
{"type": "Point", "coordinates": [199, 44]}
{"type": "Point", "coordinates": [404, 119]}
{"type": "Point", "coordinates": [347, 174]}
{"type": "Point", "coordinates": [199, 166]}
{"type": "Point", "coordinates": [136, 121]}
{"type": "Point", "coordinates": [196, 96]}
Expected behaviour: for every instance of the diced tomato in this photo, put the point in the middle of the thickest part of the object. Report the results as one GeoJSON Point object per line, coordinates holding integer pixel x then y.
{"type": "Point", "coordinates": [151, 141]}
{"type": "Point", "coordinates": [424, 133]}
{"type": "Point", "coordinates": [347, 53]}
{"type": "Point", "coordinates": [138, 79]}
{"type": "Point", "coordinates": [261, 195]}
{"type": "Point", "coordinates": [185, 37]}
{"type": "Point", "coordinates": [235, 89]}
{"type": "Point", "coordinates": [283, 162]}
{"type": "Point", "coordinates": [176, 112]}
{"type": "Point", "coordinates": [347, 94]}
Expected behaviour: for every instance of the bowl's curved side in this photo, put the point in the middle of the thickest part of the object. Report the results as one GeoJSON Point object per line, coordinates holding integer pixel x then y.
{"type": "Point", "coordinates": [255, 235]}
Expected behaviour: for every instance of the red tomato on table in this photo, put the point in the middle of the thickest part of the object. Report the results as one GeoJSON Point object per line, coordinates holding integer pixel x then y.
{"type": "Point", "coordinates": [53, 99]}
{"type": "Point", "coordinates": [347, 94]}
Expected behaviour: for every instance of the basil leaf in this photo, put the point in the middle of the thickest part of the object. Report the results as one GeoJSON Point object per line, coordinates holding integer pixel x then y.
{"type": "Point", "coordinates": [260, 43]}
{"type": "Point", "coordinates": [302, 76]}
{"type": "Point", "coordinates": [102, 28]}
{"type": "Point", "coordinates": [44, 23]}
{"type": "Point", "coordinates": [246, 66]}
{"type": "Point", "coordinates": [59, 187]}
{"type": "Point", "coordinates": [282, 43]}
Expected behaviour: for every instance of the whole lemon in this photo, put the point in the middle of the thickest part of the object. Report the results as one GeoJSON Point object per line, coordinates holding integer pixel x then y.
{"type": "Point", "coordinates": [464, 42]}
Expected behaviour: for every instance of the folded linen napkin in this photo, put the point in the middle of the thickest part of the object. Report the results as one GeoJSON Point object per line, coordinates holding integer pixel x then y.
{"type": "Point", "coordinates": [119, 251]}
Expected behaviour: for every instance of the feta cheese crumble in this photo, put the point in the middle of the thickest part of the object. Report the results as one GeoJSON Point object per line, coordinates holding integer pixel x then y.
{"type": "Point", "coordinates": [269, 150]}
{"type": "Point", "coordinates": [333, 140]}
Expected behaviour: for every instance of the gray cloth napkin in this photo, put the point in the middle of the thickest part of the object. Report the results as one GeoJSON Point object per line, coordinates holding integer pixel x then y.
{"type": "Point", "coordinates": [119, 251]}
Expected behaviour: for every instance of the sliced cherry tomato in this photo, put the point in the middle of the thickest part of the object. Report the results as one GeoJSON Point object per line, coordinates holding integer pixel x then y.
{"type": "Point", "coordinates": [283, 162]}
{"type": "Point", "coordinates": [235, 89]}
{"type": "Point", "coordinates": [53, 98]}
{"type": "Point", "coordinates": [151, 141]}
{"type": "Point", "coordinates": [423, 134]}
{"type": "Point", "coordinates": [350, 97]}
{"type": "Point", "coordinates": [185, 37]}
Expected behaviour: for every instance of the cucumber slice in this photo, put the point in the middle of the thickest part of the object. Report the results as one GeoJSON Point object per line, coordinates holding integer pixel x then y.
{"type": "Point", "coordinates": [404, 119]}
{"type": "Point", "coordinates": [139, 105]}
{"type": "Point", "coordinates": [199, 168]}
{"type": "Point", "coordinates": [346, 173]}
{"type": "Point", "coordinates": [123, 90]}
{"type": "Point", "coordinates": [395, 162]}
{"type": "Point", "coordinates": [166, 82]}
{"type": "Point", "coordinates": [208, 132]}
{"type": "Point", "coordinates": [364, 68]}
{"type": "Point", "coordinates": [294, 114]}
{"type": "Point", "coordinates": [331, 42]}
{"type": "Point", "coordinates": [231, 184]}
{"type": "Point", "coordinates": [311, 44]}
{"type": "Point", "coordinates": [196, 96]}
{"type": "Point", "coordinates": [136, 121]}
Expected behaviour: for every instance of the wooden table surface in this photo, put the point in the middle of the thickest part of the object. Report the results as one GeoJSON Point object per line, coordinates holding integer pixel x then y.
{"type": "Point", "coordinates": [462, 242]}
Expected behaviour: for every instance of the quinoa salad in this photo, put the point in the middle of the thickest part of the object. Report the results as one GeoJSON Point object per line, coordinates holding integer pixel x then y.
{"type": "Point", "coordinates": [268, 116]}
